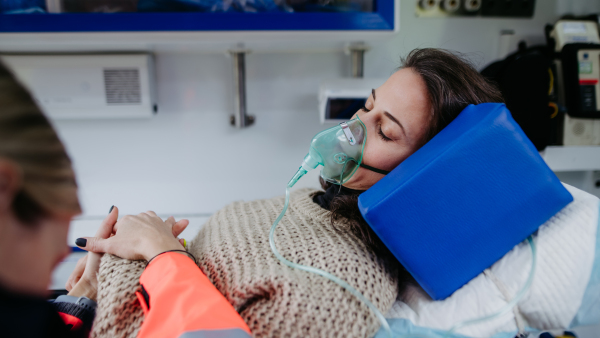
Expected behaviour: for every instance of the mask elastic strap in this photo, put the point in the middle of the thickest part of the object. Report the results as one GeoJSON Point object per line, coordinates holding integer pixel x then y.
{"type": "Point", "coordinates": [379, 171]}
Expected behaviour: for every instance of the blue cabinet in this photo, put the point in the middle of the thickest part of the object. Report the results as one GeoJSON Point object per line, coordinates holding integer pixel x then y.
{"type": "Point", "coordinates": [381, 19]}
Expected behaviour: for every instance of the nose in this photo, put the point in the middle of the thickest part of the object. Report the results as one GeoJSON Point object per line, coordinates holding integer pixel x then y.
{"type": "Point", "coordinates": [360, 113]}
{"type": "Point", "coordinates": [364, 117]}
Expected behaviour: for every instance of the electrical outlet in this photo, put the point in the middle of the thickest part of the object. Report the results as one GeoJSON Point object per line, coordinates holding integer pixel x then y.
{"type": "Point", "coordinates": [472, 8]}
{"type": "Point", "coordinates": [508, 8]}
{"type": "Point", "coordinates": [451, 5]}
{"type": "Point", "coordinates": [473, 5]}
{"type": "Point", "coordinates": [428, 5]}
{"type": "Point", "coordinates": [447, 8]}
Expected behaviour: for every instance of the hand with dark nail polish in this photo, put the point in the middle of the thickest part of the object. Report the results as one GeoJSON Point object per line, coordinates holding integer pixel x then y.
{"type": "Point", "coordinates": [83, 280]}
{"type": "Point", "coordinates": [140, 237]}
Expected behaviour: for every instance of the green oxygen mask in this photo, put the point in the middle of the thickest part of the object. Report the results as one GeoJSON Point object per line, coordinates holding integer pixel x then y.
{"type": "Point", "coordinates": [339, 150]}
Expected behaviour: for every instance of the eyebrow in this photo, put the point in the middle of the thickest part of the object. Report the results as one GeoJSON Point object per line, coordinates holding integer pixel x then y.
{"type": "Point", "coordinates": [390, 116]}
{"type": "Point", "coordinates": [395, 121]}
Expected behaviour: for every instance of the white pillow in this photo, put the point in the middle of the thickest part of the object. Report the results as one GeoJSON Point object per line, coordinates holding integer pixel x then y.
{"type": "Point", "coordinates": [565, 291]}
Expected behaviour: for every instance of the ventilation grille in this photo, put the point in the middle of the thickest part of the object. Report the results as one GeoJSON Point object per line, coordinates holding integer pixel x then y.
{"type": "Point", "coordinates": [579, 128]}
{"type": "Point", "coordinates": [122, 86]}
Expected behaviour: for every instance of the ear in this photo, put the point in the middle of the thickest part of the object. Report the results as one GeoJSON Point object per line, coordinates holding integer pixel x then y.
{"type": "Point", "coordinates": [10, 183]}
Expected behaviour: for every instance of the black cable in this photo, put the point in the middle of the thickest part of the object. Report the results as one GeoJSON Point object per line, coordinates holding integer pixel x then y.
{"type": "Point", "coordinates": [184, 251]}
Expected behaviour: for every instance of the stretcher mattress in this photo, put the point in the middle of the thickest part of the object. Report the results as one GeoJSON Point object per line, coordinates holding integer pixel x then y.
{"type": "Point", "coordinates": [565, 292]}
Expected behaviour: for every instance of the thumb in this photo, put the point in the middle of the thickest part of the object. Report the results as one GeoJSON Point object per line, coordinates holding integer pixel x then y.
{"type": "Point", "coordinates": [93, 244]}
{"type": "Point", "coordinates": [107, 225]}
{"type": "Point", "coordinates": [179, 226]}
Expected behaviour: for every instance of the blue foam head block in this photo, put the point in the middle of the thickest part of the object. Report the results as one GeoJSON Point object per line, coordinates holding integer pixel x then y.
{"type": "Point", "coordinates": [463, 200]}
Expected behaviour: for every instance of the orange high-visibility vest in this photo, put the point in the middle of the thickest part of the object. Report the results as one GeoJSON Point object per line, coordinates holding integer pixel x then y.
{"type": "Point", "coordinates": [180, 301]}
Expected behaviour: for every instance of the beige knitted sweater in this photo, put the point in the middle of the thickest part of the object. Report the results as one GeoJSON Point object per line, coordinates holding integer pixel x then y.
{"type": "Point", "coordinates": [275, 301]}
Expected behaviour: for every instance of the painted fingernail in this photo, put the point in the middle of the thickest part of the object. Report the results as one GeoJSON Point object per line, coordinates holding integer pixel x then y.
{"type": "Point", "coordinates": [111, 209]}
{"type": "Point", "coordinates": [81, 242]}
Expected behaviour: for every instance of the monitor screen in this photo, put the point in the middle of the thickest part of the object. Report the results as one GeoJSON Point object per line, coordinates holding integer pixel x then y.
{"type": "Point", "coordinates": [340, 108]}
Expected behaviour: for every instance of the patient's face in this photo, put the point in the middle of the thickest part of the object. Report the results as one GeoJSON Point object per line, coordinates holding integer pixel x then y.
{"type": "Point", "coordinates": [397, 120]}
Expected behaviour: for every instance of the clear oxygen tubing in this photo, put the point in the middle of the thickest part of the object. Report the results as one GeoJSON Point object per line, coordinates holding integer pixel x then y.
{"type": "Point", "coordinates": [357, 294]}
{"type": "Point", "coordinates": [320, 272]}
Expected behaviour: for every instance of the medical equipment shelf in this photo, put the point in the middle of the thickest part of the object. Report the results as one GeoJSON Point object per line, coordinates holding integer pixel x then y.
{"type": "Point", "coordinates": [572, 158]}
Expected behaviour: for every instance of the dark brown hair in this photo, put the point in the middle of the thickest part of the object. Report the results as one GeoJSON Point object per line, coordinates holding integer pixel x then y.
{"type": "Point", "coordinates": [453, 83]}
{"type": "Point", "coordinates": [28, 140]}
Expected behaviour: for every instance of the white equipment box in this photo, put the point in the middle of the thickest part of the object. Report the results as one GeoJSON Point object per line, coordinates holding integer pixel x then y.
{"type": "Point", "coordinates": [340, 99]}
{"type": "Point", "coordinates": [88, 86]}
{"type": "Point", "coordinates": [566, 31]}
{"type": "Point", "coordinates": [579, 131]}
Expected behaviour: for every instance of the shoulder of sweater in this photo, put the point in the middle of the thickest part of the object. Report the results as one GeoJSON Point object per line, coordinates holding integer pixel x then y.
{"type": "Point", "coordinates": [302, 194]}
{"type": "Point", "coordinates": [300, 201]}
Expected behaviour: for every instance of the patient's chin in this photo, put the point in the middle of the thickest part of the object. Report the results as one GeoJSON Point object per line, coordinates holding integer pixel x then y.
{"type": "Point", "coordinates": [362, 179]}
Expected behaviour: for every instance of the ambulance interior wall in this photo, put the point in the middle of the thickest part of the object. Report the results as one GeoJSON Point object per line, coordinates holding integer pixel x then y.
{"type": "Point", "coordinates": [188, 161]}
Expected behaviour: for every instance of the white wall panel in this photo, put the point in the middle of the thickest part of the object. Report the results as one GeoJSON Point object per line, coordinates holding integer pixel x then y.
{"type": "Point", "coordinates": [188, 160]}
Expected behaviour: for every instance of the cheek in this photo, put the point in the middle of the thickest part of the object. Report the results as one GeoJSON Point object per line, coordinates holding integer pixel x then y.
{"type": "Point", "coordinates": [57, 240]}
{"type": "Point", "coordinates": [61, 239]}
{"type": "Point", "coordinates": [381, 156]}
{"type": "Point", "coordinates": [374, 156]}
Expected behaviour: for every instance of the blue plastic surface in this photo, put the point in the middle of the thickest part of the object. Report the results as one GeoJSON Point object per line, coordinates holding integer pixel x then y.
{"type": "Point", "coordinates": [382, 19]}
{"type": "Point", "coordinates": [464, 199]}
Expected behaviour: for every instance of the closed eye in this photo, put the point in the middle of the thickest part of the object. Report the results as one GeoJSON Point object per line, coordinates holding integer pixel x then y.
{"type": "Point", "coordinates": [383, 137]}
{"type": "Point", "coordinates": [364, 108]}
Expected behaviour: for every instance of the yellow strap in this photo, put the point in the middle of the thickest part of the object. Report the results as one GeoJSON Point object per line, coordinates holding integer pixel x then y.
{"type": "Point", "coordinates": [555, 106]}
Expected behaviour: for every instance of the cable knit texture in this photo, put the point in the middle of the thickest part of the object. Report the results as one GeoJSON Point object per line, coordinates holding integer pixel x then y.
{"type": "Point", "coordinates": [275, 301]}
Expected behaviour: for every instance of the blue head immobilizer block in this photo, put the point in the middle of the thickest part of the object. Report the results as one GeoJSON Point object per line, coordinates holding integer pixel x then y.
{"type": "Point", "coordinates": [464, 199]}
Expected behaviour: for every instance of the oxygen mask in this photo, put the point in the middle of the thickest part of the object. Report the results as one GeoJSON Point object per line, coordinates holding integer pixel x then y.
{"type": "Point", "coordinates": [339, 150]}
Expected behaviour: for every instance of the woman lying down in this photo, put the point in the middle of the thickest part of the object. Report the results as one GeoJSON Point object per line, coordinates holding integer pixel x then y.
{"type": "Point", "coordinates": [324, 230]}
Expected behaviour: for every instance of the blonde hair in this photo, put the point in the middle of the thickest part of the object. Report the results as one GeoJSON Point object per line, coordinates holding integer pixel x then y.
{"type": "Point", "coordinates": [28, 139]}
